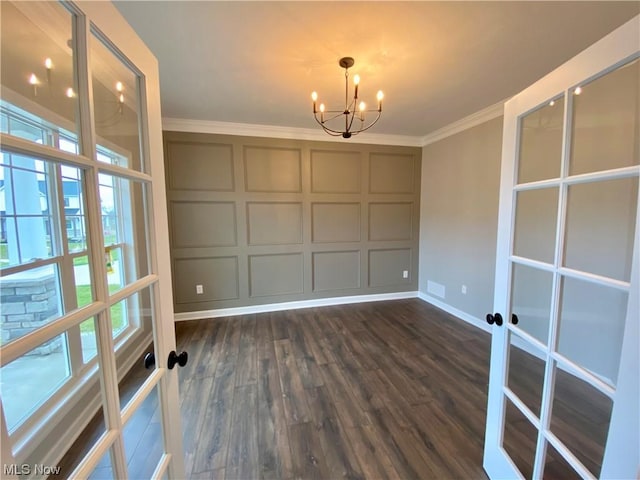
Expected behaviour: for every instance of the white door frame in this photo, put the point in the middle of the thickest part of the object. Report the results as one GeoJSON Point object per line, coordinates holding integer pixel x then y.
{"type": "Point", "coordinates": [107, 20]}
{"type": "Point", "coordinates": [622, 455]}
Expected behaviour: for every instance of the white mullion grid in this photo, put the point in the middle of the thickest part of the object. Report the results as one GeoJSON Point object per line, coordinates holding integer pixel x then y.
{"type": "Point", "coordinates": [29, 266]}
{"type": "Point", "coordinates": [141, 394]}
{"type": "Point", "coordinates": [66, 273]}
{"type": "Point", "coordinates": [94, 456]}
{"type": "Point", "coordinates": [528, 338]}
{"type": "Point", "coordinates": [537, 264]}
{"type": "Point", "coordinates": [163, 464]}
{"type": "Point", "coordinates": [19, 146]}
{"type": "Point", "coordinates": [520, 405]}
{"type": "Point", "coordinates": [538, 184]}
{"type": "Point", "coordinates": [568, 456]}
{"type": "Point", "coordinates": [582, 374]}
{"type": "Point", "coordinates": [17, 348]}
{"type": "Point", "coordinates": [612, 174]}
{"type": "Point", "coordinates": [594, 278]}
{"type": "Point", "coordinates": [131, 289]}
{"type": "Point", "coordinates": [104, 339]}
{"type": "Point", "coordinates": [550, 367]}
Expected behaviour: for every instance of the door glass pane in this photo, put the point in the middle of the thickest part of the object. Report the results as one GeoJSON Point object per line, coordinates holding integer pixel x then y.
{"type": "Point", "coordinates": [135, 311]}
{"type": "Point", "coordinates": [557, 468]}
{"type": "Point", "coordinates": [38, 79]}
{"type": "Point", "coordinates": [103, 470]}
{"type": "Point", "coordinates": [520, 438]}
{"type": "Point", "coordinates": [116, 104]}
{"type": "Point", "coordinates": [580, 419]}
{"type": "Point", "coordinates": [30, 380]}
{"type": "Point", "coordinates": [27, 226]}
{"type": "Point", "coordinates": [125, 236]}
{"type": "Point", "coordinates": [526, 372]}
{"type": "Point", "coordinates": [541, 142]}
{"type": "Point", "coordinates": [531, 300]}
{"type": "Point", "coordinates": [535, 224]}
{"type": "Point", "coordinates": [601, 223]}
{"type": "Point", "coordinates": [85, 442]}
{"type": "Point", "coordinates": [605, 122]}
{"type": "Point", "coordinates": [30, 300]}
{"type": "Point", "coordinates": [592, 319]}
{"type": "Point", "coordinates": [143, 439]}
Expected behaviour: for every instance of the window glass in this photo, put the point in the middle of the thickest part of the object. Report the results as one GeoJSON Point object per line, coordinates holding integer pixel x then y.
{"type": "Point", "coordinates": [31, 379]}
{"type": "Point", "coordinates": [116, 107]}
{"type": "Point", "coordinates": [38, 80]}
{"type": "Point", "coordinates": [125, 238]}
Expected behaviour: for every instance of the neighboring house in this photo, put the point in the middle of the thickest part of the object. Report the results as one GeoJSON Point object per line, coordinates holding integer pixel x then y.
{"type": "Point", "coordinates": [72, 209]}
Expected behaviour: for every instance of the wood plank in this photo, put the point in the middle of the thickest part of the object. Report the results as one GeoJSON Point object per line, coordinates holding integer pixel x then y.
{"type": "Point", "coordinates": [338, 452]}
{"type": "Point", "coordinates": [242, 459]}
{"type": "Point", "coordinates": [295, 404]}
{"type": "Point", "coordinates": [308, 458]}
{"type": "Point", "coordinates": [214, 439]}
{"type": "Point", "coordinates": [247, 367]}
{"type": "Point", "coordinates": [195, 399]}
{"type": "Point", "coordinates": [273, 438]}
{"type": "Point", "coordinates": [349, 408]}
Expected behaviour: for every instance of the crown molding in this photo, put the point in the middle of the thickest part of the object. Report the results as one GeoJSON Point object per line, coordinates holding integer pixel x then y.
{"type": "Point", "coordinates": [489, 113]}
{"type": "Point", "coordinates": [291, 133]}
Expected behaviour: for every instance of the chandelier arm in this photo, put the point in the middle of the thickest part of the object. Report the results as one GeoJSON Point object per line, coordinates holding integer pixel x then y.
{"type": "Point", "coordinates": [330, 131]}
{"type": "Point", "coordinates": [368, 126]}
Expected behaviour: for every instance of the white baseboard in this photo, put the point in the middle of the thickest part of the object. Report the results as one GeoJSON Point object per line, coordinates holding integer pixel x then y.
{"type": "Point", "coordinates": [476, 322]}
{"type": "Point", "coordinates": [278, 307]}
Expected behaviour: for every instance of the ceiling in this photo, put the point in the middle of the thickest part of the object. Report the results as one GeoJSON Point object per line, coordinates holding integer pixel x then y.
{"type": "Point", "coordinates": [437, 62]}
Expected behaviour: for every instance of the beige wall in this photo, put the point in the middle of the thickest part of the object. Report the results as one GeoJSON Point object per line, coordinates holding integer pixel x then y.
{"type": "Point", "coordinates": [256, 220]}
{"type": "Point", "coordinates": [459, 217]}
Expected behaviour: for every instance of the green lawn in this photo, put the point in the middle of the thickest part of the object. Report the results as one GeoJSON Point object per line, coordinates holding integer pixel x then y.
{"type": "Point", "coordinates": [84, 296]}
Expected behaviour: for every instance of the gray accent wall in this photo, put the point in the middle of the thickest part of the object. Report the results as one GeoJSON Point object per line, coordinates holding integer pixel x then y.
{"type": "Point", "coordinates": [261, 220]}
{"type": "Point", "coordinates": [459, 218]}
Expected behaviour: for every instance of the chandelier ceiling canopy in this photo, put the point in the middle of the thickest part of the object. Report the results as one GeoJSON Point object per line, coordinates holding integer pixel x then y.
{"type": "Point", "coordinates": [341, 122]}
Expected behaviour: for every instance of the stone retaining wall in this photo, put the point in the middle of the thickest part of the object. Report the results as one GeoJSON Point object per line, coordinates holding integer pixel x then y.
{"type": "Point", "coordinates": [26, 304]}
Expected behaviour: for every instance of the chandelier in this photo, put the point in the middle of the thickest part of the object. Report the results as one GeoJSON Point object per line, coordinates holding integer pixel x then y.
{"type": "Point", "coordinates": [353, 111]}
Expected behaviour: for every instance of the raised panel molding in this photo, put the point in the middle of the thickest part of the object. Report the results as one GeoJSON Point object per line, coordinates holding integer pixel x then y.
{"type": "Point", "coordinates": [336, 270]}
{"type": "Point", "coordinates": [196, 166]}
{"type": "Point", "coordinates": [386, 266]}
{"type": "Point", "coordinates": [392, 221]}
{"type": "Point", "coordinates": [217, 275]}
{"type": "Point", "coordinates": [271, 169]}
{"type": "Point", "coordinates": [203, 224]}
{"type": "Point", "coordinates": [275, 274]}
{"type": "Point", "coordinates": [335, 172]}
{"type": "Point", "coordinates": [335, 222]}
{"type": "Point", "coordinates": [274, 223]}
{"type": "Point", "coordinates": [391, 173]}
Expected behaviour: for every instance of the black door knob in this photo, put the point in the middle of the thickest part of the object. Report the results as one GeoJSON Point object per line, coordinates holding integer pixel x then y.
{"type": "Point", "coordinates": [498, 318]}
{"type": "Point", "coordinates": [490, 319]}
{"type": "Point", "coordinates": [179, 359]}
{"type": "Point", "coordinates": [149, 360]}
{"type": "Point", "coordinates": [514, 319]}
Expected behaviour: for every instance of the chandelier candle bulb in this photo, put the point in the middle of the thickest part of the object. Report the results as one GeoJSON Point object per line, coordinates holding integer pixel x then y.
{"type": "Point", "coordinates": [352, 109]}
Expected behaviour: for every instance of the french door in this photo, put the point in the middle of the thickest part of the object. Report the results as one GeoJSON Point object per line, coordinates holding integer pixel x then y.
{"type": "Point", "coordinates": [563, 387]}
{"type": "Point", "coordinates": [84, 255]}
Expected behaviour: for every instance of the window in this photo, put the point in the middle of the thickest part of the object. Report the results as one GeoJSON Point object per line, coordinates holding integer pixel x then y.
{"type": "Point", "coordinates": [43, 239]}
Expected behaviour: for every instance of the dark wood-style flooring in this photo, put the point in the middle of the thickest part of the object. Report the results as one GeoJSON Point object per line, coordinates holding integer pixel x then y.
{"type": "Point", "coordinates": [380, 390]}
{"type": "Point", "coordinates": [369, 391]}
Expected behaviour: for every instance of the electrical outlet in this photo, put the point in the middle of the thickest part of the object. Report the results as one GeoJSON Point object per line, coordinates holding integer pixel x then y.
{"type": "Point", "coordinates": [405, 274]}
{"type": "Point", "coordinates": [464, 289]}
{"type": "Point", "coordinates": [199, 289]}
